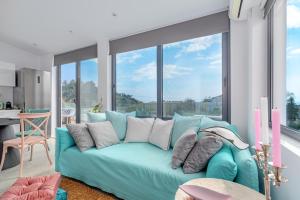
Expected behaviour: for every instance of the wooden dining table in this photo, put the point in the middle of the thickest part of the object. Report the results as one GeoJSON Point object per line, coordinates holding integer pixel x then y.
{"type": "Point", "coordinates": [7, 132]}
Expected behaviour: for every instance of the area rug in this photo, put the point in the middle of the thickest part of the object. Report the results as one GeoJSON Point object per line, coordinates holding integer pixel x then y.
{"type": "Point", "coordinates": [79, 191]}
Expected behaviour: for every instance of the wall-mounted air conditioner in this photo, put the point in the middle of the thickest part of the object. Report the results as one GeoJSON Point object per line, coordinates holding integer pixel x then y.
{"type": "Point", "coordinates": [238, 9]}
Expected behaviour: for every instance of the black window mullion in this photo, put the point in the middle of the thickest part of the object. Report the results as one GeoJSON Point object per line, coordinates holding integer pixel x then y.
{"type": "Point", "coordinates": [159, 81]}
{"type": "Point", "coordinates": [77, 100]}
{"type": "Point", "coordinates": [58, 96]}
{"type": "Point", "coordinates": [225, 78]}
{"type": "Point", "coordinates": [113, 78]}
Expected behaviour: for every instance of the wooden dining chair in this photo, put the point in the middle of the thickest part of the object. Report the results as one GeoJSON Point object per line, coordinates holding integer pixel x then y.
{"type": "Point", "coordinates": [37, 135]}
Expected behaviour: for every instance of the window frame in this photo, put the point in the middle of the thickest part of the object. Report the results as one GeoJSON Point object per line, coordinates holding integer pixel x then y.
{"type": "Point", "coordinates": [294, 134]}
{"type": "Point", "coordinates": [159, 77]}
{"type": "Point", "coordinates": [75, 56]}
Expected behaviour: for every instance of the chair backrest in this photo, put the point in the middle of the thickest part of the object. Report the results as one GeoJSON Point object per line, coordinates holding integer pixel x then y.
{"type": "Point", "coordinates": [37, 121]}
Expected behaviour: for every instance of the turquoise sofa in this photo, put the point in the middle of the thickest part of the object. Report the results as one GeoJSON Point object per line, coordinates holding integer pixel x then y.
{"type": "Point", "coordinates": [135, 171]}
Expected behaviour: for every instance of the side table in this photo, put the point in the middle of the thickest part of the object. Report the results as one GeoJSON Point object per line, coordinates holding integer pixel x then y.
{"type": "Point", "coordinates": [235, 190]}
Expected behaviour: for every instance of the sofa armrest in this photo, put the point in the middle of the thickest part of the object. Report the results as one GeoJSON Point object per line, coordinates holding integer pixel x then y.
{"type": "Point", "coordinates": [247, 169]}
{"type": "Point", "coordinates": [63, 141]}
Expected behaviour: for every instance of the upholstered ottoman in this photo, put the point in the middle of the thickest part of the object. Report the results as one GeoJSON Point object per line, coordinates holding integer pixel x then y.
{"type": "Point", "coordinates": [30, 188]}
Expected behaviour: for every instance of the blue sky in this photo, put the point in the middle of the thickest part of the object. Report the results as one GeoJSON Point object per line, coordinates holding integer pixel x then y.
{"type": "Point", "coordinates": [89, 71]}
{"type": "Point", "coordinates": [293, 48]}
{"type": "Point", "coordinates": [192, 69]}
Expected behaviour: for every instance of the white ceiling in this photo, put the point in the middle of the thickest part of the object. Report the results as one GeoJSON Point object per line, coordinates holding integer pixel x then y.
{"type": "Point", "coordinates": [43, 26]}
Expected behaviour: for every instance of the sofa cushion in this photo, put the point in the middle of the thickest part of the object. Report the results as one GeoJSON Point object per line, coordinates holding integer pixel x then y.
{"type": "Point", "coordinates": [119, 121]}
{"type": "Point", "coordinates": [247, 168]}
{"type": "Point", "coordinates": [222, 165]}
{"type": "Point", "coordinates": [138, 129]}
{"type": "Point", "coordinates": [207, 122]}
{"type": "Point", "coordinates": [183, 147]}
{"type": "Point", "coordinates": [103, 134]}
{"type": "Point", "coordinates": [199, 156]}
{"type": "Point", "coordinates": [96, 117]}
{"type": "Point", "coordinates": [136, 169]}
{"type": "Point", "coordinates": [183, 123]}
{"type": "Point", "coordinates": [81, 136]}
{"type": "Point", "coordinates": [161, 133]}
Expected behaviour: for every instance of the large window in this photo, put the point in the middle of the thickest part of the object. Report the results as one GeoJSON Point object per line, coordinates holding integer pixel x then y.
{"type": "Point", "coordinates": [185, 77]}
{"type": "Point", "coordinates": [136, 82]}
{"type": "Point", "coordinates": [284, 51]}
{"type": "Point", "coordinates": [192, 77]}
{"type": "Point", "coordinates": [293, 65]}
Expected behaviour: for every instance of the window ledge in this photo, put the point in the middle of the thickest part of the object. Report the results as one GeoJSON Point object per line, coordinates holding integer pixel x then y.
{"type": "Point", "coordinates": [291, 144]}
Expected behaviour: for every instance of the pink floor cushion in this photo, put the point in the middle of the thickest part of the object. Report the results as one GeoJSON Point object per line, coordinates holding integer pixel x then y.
{"type": "Point", "coordinates": [31, 188]}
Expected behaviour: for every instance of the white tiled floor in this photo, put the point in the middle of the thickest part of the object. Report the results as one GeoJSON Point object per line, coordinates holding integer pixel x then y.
{"type": "Point", "coordinates": [38, 166]}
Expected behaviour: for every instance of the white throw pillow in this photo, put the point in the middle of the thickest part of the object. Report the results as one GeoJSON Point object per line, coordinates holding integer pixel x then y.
{"type": "Point", "coordinates": [138, 129]}
{"type": "Point", "coordinates": [161, 133]}
{"type": "Point", "coordinates": [103, 134]}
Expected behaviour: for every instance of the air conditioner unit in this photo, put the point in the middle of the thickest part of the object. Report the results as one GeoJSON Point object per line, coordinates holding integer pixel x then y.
{"type": "Point", "coordinates": [238, 9]}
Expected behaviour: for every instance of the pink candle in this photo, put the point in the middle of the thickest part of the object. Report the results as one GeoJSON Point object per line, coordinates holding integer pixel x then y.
{"type": "Point", "coordinates": [257, 129]}
{"type": "Point", "coordinates": [276, 147]}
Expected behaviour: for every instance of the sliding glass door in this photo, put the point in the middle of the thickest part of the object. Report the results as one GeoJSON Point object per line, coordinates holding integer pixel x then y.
{"type": "Point", "coordinates": [78, 90]}
{"type": "Point", "coordinates": [68, 93]}
{"type": "Point", "coordinates": [88, 87]}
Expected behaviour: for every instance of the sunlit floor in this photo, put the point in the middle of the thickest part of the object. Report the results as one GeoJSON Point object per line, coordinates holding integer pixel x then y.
{"type": "Point", "coordinates": [38, 166]}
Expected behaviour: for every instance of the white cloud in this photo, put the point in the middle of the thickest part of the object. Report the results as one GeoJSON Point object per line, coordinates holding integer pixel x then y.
{"type": "Point", "coordinates": [174, 44]}
{"type": "Point", "coordinates": [130, 57]}
{"type": "Point", "coordinates": [172, 71]}
{"type": "Point", "coordinates": [213, 60]}
{"type": "Point", "coordinates": [293, 16]}
{"type": "Point", "coordinates": [148, 71]}
{"type": "Point", "coordinates": [197, 44]}
{"type": "Point", "coordinates": [292, 52]}
{"type": "Point", "coordinates": [295, 51]}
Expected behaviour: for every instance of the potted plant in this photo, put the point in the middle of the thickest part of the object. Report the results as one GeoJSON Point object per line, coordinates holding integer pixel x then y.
{"type": "Point", "coordinates": [96, 113]}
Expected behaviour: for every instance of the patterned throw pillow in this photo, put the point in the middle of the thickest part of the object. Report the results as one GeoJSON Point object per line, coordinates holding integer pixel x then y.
{"type": "Point", "coordinates": [203, 150]}
{"type": "Point", "coordinates": [183, 147]}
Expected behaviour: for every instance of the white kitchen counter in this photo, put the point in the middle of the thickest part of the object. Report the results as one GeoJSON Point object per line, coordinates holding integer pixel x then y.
{"type": "Point", "coordinates": [10, 114]}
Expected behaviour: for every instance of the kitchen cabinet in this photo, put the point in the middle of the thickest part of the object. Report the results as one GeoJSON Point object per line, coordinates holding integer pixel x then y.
{"type": "Point", "coordinates": [7, 74]}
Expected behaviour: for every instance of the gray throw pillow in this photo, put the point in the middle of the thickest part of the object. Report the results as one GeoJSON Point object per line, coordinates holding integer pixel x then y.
{"type": "Point", "coordinates": [81, 136]}
{"type": "Point", "coordinates": [183, 146]}
{"type": "Point", "coordinates": [103, 134]}
{"type": "Point", "coordinates": [203, 150]}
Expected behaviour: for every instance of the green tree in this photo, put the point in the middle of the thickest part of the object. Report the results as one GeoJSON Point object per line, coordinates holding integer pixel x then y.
{"type": "Point", "coordinates": [68, 91]}
{"type": "Point", "coordinates": [291, 108]}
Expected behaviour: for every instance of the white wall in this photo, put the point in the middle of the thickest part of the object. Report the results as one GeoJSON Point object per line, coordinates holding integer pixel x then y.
{"type": "Point", "coordinates": [22, 58]}
{"type": "Point", "coordinates": [6, 94]}
{"type": "Point", "coordinates": [239, 75]}
{"type": "Point", "coordinates": [257, 72]}
{"type": "Point", "coordinates": [19, 57]}
{"type": "Point", "coordinates": [105, 74]}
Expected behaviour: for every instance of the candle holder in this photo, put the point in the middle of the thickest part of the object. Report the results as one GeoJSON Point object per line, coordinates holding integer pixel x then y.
{"type": "Point", "coordinates": [271, 172]}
